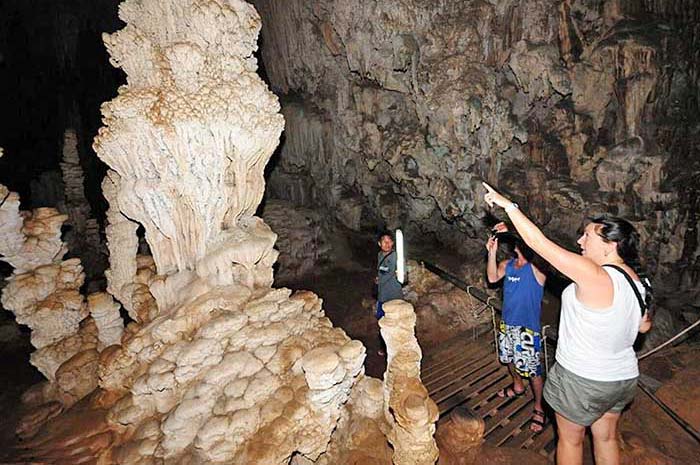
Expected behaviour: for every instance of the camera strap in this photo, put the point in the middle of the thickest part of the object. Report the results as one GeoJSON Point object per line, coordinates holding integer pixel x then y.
{"type": "Point", "coordinates": [642, 304]}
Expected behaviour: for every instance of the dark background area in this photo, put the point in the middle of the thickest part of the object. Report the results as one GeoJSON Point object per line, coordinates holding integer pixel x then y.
{"type": "Point", "coordinates": [54, 75]}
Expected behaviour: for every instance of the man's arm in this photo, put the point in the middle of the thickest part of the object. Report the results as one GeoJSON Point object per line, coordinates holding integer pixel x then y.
{"type": "Point", "coordinates": [539, 276]}
{"type": "Point", "coordinates": [494, 272]}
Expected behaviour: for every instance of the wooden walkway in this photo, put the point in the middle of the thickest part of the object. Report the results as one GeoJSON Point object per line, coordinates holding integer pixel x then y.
{"type": "Point", "coordinates": [465, 371]}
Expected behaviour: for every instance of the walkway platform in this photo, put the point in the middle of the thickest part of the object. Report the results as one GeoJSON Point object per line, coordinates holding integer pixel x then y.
{"type": "Point", "coordinates": [465, 371]}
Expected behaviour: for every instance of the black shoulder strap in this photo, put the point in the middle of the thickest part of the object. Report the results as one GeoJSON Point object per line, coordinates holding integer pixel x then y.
{"type": "Point", "coordinates": [642, 304]}
{"type": "Point", "coordinates": [385, 257]}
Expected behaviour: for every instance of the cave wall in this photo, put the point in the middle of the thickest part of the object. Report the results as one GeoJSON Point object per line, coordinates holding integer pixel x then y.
{"type": "Point", "coordinates": [397, 110]}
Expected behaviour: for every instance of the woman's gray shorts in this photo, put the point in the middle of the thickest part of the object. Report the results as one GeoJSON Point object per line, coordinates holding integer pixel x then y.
{"type": "Point", "coordinates": [583, 400]}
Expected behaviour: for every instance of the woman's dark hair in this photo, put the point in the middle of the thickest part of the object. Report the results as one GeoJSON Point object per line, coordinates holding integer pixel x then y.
{"type": "Point", "coordinates": [624, 234]}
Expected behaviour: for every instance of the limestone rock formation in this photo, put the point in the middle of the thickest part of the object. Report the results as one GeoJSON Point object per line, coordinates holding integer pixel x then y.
{"type": "Point", "coordinates": [460, 438]}
{"type": "Point", "coordinates": [105, 311]}
{"type": "Point", "coordinates": [44, 294]}
{"type": "Point", "coordinates": [83, 239]}
{"type": "Point", "coordinates": [43, 291]}
{"type": "Point", "coordinates": [217, 366]}
{"type": "Point", "coordinates": [301, 240]}
{"type": "Point", "coordinates": [408, 408]}
{"type": "Point", "coordinates": [360, 437]}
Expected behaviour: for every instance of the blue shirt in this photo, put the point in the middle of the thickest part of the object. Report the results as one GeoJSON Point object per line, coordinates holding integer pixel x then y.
{"type": "Point", "coordinates": [522, 297]}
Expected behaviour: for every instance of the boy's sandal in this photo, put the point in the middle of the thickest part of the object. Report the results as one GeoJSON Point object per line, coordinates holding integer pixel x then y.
{"type": "Point", "coordinates": [540, 423]}
{"type": "Point", "coordinates": [510, 392]}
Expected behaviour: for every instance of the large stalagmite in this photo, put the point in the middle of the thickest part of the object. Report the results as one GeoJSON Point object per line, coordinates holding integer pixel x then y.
{"type": "Point", "coordinates": [409, 410]}
{"type": "Point", "coordinates": [217, 366]}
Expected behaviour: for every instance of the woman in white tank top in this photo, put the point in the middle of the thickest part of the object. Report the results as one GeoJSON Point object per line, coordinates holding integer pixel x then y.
{"type": "Point", "coordinates": [596, 371]}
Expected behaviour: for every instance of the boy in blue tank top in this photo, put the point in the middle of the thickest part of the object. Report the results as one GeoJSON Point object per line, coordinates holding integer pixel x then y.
{"type": "Point", "coordinates": [519, 342]}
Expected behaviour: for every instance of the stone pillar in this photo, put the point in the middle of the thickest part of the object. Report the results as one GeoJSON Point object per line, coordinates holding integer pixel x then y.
{"type": "Point", "coordinates": [408, 408]}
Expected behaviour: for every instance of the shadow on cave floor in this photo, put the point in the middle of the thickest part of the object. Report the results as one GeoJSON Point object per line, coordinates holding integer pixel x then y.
{"type": "Point", "coordinates": [16, 376]}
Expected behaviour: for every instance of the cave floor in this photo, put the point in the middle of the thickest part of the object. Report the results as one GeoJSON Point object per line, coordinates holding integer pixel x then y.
{"type": "Point", "coordinates": [16, 376]}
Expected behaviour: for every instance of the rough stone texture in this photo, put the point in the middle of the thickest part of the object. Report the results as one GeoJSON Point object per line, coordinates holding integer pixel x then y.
{"type": "Point", "coordinates": [217, 366]}
{"type": "Point", "coordinates": [105, 311]}
{"type": "Point", "coordinates": [29, 239]}
{"type": "Point", "coordinates": [47, 299]}
{"type": "Point", "coordinates": [43, 293]}
{"type": "Point", "coordinates": [408, 408]}
{"type": "Point", "coordinates": [361, 434]}
{"type": "Point", "coordinates": [460, 437]}
{"type": "Point", "coordinates": [194, 190]}
{"type": "Point", "coordinates": [83, 239]}
{"type": "Point", "coordinates": [396, 110]}
{"type": "Point", "coordinates": [301, 239]}
{"type": "Point", "coordinates": [442, 310]}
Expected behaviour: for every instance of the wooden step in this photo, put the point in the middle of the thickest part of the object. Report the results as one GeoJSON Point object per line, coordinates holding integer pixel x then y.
{"type": "Point", "coordinates": [542, 442]}
{"type": "Point", "coordinates": [504, 413]}
{"type": "Point", "coordinates": [516, 426]}
{"type": "Point", "coordinates": [454, 370]}
{"type": "Point", "coordinates": [475, 394]}
{"type": "Point", "coordinates": [468, 373]}
{"type": "Point", "coordinates": [476, 373]}
{"type": "Point", "coordinates": [461, 351]}
{"type": "Point", "coordinates": [489, 388]}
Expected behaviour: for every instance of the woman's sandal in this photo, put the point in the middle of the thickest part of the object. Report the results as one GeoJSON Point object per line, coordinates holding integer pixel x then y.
{"type": "Point", "coordinates": [510, 392]}
{"type": "Point", "coordinates": [539, 423]}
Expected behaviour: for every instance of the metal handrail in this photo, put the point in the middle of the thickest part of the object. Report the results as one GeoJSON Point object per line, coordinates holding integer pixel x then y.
{"type": "Point", "coordinates": [471, 290]}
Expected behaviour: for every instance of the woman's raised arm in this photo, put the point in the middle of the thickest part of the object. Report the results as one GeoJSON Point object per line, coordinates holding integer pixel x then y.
{"type": "Point", "coordinates": [581, 270]}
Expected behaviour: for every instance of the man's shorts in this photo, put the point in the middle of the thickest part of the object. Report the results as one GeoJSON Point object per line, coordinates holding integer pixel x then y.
{"type": "Point", "coordinates": [520, 346]}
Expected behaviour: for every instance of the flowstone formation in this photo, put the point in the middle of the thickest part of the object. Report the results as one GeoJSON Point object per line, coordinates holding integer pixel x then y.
{"type": "Point", "coordinates": [396, 111]}
{"type": "Point", "coordinates": [43, 293]}
{"type": "Point", "coordinates": [216, 366]}
{"type": "Point", "coordinates": [408, 408]}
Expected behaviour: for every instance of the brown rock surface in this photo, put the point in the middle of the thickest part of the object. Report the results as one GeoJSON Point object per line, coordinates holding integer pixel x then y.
{"type": "Point", "coordinates": [396, 112]}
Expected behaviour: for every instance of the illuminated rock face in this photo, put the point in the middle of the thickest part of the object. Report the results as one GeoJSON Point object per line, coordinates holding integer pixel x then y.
{"type": "Point", "coordinates": [408, 409]}
{"type": "Point", "coordinates": [44, 294]}
{"type": "Point", "coordinates": [188, 138]}
{"type": "Point", "coordinates": [398, 110]}
{"type": "Point", "coordinates": [216, 366]}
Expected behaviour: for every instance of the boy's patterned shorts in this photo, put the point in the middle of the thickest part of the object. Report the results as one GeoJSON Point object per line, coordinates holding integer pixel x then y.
{"type": "Point", "coordinates": [520, 346]}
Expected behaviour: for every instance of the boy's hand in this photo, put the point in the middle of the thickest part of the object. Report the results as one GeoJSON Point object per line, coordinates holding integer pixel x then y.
{"type": "Point", "coordinates": [492, 245]}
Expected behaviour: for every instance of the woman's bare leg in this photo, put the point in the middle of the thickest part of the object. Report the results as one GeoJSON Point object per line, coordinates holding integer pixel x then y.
{"type": "Point", "coordinates": [605, 447]}
{"type": "Point", "coordinates": [570, 443]}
